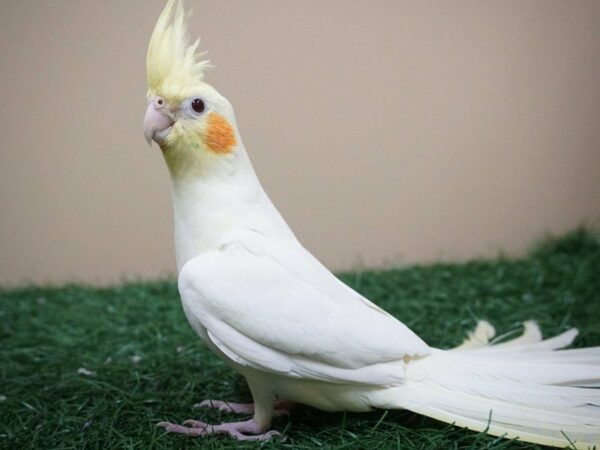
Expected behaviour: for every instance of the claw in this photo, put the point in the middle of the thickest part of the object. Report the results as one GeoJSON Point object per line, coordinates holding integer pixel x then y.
{"type": "Point", "coordinates": [236, 430]}
{"type": "Point", "coordinates": [195, 424]}
{"type": "Point", "coordinates": [180, 429]}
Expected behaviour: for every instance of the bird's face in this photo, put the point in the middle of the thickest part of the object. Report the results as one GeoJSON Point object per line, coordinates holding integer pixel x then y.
{"type": "Point", "coordinates": [192, 123]}
{"type": "Point", "coordinates": [191, 128]}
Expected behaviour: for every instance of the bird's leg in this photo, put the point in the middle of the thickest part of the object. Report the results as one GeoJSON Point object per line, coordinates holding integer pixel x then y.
{"type": "Point", "coordinates": [229, 407]}
{"type": "Point", "coordinates": [254, 429]}
{"type": "Point", "coordinates": [280, 408]}
{"type": "Point", "coordinates": [248, 430]}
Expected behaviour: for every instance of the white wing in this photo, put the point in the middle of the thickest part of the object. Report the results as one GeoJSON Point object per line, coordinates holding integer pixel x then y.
{"type": "Point", "coordinates": [270, 305]}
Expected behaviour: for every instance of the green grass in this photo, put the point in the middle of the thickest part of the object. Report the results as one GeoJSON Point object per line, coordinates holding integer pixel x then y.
{"type": "Point", "coordinates": [48, 333]}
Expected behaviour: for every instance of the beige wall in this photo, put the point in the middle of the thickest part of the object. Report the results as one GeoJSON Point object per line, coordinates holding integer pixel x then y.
{"type": "Point", "coordinates": [385, 131]}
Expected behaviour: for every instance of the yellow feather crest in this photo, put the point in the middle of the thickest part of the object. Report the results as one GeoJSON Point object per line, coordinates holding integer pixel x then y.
{"type": "Point", "coordinates": [173, 65]}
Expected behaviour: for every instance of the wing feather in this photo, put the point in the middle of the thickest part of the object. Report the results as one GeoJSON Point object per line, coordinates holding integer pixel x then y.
{"type": "Point", "coordinates": [269, 305]}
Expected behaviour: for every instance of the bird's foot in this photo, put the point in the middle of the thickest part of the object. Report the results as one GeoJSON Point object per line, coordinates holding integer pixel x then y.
{"type": "Point", "coordinates": [281, 408]}
{"type": "Point", "coordinates": [247, 430]}
{"type": "Point", "coordinates": [228, 407]}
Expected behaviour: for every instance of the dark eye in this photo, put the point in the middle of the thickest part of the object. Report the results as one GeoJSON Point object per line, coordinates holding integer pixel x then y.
{"type": "Point", "coordinates": [198, 105]}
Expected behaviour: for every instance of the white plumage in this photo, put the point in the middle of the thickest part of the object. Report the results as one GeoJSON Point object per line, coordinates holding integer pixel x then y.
{"type": "Point", "coordinates": [274, 313]}
{"type": "Point", "coordinates": [268, 305]}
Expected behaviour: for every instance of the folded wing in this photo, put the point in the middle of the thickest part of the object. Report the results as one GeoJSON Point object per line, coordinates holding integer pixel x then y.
{"type": "Point", "coordinates": [268, 304]}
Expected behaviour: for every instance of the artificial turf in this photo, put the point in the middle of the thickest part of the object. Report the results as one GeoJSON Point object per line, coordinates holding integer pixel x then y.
{"type": "Point", "coordinates": [149, 366]}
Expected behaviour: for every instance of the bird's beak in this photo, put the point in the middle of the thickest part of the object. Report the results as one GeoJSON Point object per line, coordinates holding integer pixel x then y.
{"type": "Point", "coordinates": [157, 121]}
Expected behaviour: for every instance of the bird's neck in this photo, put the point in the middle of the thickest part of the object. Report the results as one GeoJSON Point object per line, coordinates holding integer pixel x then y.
{"type": "Point", "coordinates": [209, 207]}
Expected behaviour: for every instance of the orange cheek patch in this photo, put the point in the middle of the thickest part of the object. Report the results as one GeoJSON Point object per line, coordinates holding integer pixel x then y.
{"type": "Point", "coordinates": [219, 136]}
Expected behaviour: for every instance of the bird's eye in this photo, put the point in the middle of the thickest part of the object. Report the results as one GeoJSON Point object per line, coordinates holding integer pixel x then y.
{"type": "Point", "coordinates": [198, 105]}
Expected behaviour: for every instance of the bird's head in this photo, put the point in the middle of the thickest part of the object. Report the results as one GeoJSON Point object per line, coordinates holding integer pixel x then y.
{"type": "Point", "coordinates": [192, 123]}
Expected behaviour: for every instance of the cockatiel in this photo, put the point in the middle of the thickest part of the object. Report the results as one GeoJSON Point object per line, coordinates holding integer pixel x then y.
{"type": "Point", "coordinates": [296, 333]}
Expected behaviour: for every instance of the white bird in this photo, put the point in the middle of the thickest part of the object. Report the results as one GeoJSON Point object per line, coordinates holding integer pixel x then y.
{"type": "Point", "coordinates": [296, 333]}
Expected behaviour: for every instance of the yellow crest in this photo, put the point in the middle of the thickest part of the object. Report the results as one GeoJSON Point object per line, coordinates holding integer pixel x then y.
{"type": "Point", "coordinates": [173, 65]}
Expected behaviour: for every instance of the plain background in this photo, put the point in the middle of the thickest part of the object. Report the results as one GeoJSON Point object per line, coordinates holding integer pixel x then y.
{"type": "Point", "coordinates": [387, 132]}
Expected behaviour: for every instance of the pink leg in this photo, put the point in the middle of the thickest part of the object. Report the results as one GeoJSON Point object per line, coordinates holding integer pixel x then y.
{"type": "Point", "coordinates": [230, 407]}
{"type": "Point", "coordinates": [282, 408]}
{"type": "Point", "coordinates": [236, 430]}
{"type": "Point", "coordinates": [254, 429]}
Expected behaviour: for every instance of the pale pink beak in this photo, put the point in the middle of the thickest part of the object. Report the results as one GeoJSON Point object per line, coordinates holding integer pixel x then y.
{"type": "Point", "coordinates": [157, 121]}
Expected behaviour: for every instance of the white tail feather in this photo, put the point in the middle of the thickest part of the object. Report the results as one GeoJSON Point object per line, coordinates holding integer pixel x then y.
{"type": "Point", "coordinates": [479, 337]}
{"type": "Point", "coordinates": [524, 388]}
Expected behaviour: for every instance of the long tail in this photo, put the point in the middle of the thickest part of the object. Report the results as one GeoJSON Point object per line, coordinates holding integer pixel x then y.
{"type": "Point", "coordinates": [526, 388]}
